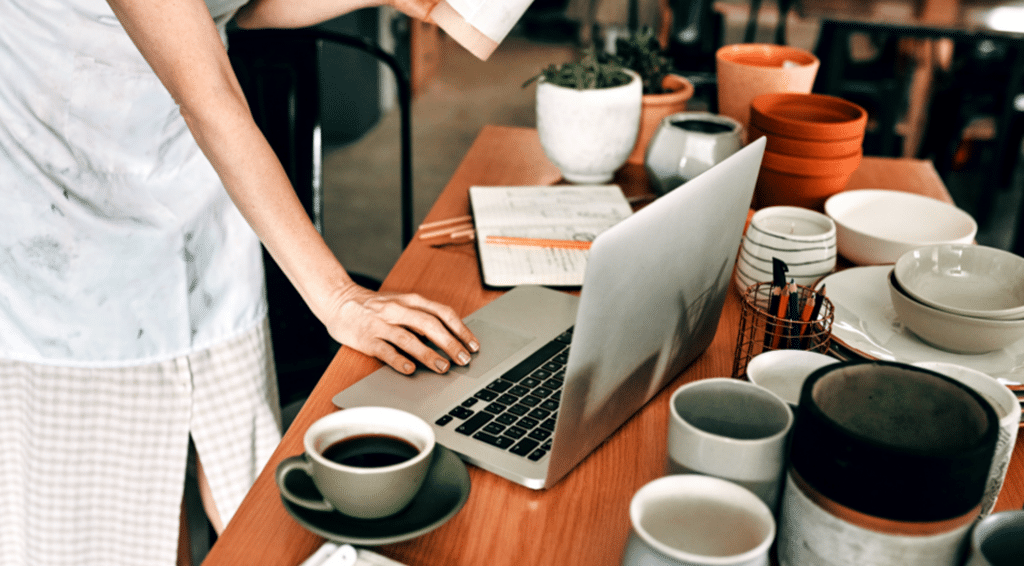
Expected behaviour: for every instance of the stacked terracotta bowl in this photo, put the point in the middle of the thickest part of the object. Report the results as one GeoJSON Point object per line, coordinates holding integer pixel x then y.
{"type": "Point", "coordinates": [815, 142]}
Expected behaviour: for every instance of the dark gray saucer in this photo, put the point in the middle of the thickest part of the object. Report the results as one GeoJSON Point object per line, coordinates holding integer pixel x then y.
{"type": "Point", "coordinates": [443, 494]}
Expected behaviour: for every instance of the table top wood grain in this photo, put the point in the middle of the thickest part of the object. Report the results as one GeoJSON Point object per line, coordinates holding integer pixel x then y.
{"type": "Point", "coordinates": [582, 520]}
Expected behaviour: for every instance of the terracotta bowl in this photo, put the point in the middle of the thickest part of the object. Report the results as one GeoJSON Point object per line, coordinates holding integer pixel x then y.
{"type": "Point", "coordinates": [808, 116]}
{"type": "Point", "coordinates": [810, 166]}
{"type": "Point", "coordinates": [775, 188]}
{"type": "Point", "coordinates": [806, 148]}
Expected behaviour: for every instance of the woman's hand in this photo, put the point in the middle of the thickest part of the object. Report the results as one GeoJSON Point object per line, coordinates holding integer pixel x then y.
{"type": "Point", "coordinates": [392, 328]}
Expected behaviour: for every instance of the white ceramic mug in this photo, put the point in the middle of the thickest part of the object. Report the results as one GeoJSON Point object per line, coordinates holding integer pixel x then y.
{"type": "Point", "coordinates": [367, 462]}
{"type": "Point", "coordinates": [998, 540]}
{"type": "Point", "coordinates": [803, 238]}
{"type": "Point", "coordinates": [693, 520]}
{"type": "Point", "coordinates": [1007, 409]}
{"type": "Point", "coordinates": [730, 429]}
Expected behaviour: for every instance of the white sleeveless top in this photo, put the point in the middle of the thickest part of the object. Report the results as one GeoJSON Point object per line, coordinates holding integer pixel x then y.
{"type": "Point", "coordinates": [118, 243]}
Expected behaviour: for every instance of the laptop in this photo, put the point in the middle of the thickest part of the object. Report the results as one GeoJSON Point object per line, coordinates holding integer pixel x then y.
{"type": "Point", "coordinates": [556, 374]}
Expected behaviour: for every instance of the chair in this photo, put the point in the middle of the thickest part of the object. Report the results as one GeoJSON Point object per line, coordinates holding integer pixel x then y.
{"type": "Point", "coordinates": [876, 83]}
{"type": "Point", "coordinates": [981, 87]}
{"type": "Point", "coordinates": [279, 73]}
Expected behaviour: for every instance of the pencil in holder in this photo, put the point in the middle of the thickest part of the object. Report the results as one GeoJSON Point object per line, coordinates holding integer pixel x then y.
{"type": "Point", "coordinates": [774, 318]}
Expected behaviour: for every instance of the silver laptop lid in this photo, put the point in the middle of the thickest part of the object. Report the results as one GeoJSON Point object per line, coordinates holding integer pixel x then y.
{"type": "Point", "coordinates": [653, 293]}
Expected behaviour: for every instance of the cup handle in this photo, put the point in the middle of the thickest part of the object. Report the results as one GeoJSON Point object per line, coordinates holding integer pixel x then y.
{"type": "Point", "coordinates": [301, 464]}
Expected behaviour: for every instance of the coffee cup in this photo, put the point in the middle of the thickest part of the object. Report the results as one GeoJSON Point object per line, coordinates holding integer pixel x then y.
{"type": "Point", "coordinates": [1008, 411]}
{"type": "Point", "coordinates": [730, 429]}
{"type": "Point", "coordinates": [694, 520]}
{"type": "Point", "coordinates": [998, 540]}
{"type": "Point", "coordinates": [366, 462]}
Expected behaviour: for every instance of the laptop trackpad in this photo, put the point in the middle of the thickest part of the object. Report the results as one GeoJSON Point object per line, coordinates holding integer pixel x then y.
{"type": "Point", "coordinates": [496, 345]}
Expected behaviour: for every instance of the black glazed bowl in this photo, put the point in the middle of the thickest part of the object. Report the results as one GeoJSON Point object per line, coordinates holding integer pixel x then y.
{"type": "Point", "coordinates": [893, 440]}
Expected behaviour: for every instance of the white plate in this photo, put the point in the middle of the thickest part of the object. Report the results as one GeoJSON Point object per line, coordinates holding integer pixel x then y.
{"type": "Point", "coordinates": [865, 322]}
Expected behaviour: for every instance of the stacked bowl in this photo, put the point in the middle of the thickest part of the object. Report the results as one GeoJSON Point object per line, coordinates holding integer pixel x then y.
{"type": "Point", "coordinates": [967, 299]}
{"type": "Point", "coordinates": [814, 144]}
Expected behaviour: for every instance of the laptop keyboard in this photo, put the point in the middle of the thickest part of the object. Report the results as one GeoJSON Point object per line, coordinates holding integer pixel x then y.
{"type": "Point", "coordinates": [516, 412]}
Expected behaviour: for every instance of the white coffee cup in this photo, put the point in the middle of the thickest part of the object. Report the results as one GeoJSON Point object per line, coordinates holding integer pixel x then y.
{"type": "Point", "coordinates": [730, 429]}
{"type": "Point", "coordinates": [367, 462]}
{"type": "Point", "coordinates": [694, 520]}
{"type": "Point", "coordinates": [803, 238]}
{"type": "Point", "coordinates": [783, 372]}
{"type": "Point", "coordinates": [1007, 409]}
{"type": "Point", "coordinates": [998, 540]}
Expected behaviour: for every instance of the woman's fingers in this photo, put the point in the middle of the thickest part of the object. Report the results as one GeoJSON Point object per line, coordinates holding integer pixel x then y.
{"type": "Point", "coordinates": [399, 328]}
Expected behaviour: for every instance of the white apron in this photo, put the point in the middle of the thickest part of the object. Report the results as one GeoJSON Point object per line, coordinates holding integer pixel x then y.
{"type": "Point", "coordinates": [132, 303]}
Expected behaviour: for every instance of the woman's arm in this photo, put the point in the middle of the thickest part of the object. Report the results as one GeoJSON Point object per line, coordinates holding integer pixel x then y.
{"type": "Point", "coordinates": [181, 44]}
{"type": "Point", "coordinates": [293, 14]}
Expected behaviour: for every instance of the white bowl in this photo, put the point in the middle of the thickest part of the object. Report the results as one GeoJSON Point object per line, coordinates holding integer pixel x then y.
{"type": "Point", "coordinates": [971, 280]}
{"type": "Point", "coordinates": [875, 226]}
{"type": "Point", "coordinates": [783, 372]}
{"type": "Point", "coordinates": [952, 332]}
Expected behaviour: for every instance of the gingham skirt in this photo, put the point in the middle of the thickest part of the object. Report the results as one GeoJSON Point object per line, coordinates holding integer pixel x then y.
{"type": "Point", "coordinates": [92, 460]}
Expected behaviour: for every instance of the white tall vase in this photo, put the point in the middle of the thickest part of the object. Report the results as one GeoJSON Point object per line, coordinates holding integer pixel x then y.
{"type": "Point", "coordinates": [588, 134]}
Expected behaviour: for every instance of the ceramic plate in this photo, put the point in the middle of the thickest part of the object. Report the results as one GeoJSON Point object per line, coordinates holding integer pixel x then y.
{"type": "Point", "coordinates": [444, 492]}
{"type": "Point", "coordinates": [866, 324]}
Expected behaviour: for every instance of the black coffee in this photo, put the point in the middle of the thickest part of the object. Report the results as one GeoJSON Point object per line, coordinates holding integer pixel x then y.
{"type": "Point", "coordinates": [370, 451]}
{"type": "Point", "coordinates": [702, 126]}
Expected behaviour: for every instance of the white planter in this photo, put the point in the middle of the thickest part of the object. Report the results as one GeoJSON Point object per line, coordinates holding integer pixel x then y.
{"type": "Point", "coordinates": [588, 134]}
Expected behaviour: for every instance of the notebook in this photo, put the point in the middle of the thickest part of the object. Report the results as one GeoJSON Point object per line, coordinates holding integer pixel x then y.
{"type": "Point", "coordinates": [650, 303]}
{"type": "Point", "coordinates": [568, 213]}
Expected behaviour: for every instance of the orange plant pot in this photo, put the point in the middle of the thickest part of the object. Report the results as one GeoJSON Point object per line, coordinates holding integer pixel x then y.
{"type": "Point", "coordinates": [808, 116]}
{"type": "Point", "coordinates": [807, 148]}
{"type": "Point", "coordinates": [655, 108]}
{"type": "Point", "coordinates": [784, 189]}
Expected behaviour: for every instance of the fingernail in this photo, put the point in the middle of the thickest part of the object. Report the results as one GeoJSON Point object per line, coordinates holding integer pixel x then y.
{"type": "Point", "coordinates": [441, 365]}
{"type": "Point", "coordinates": [463, 358]}
{"type": "Point", "coordinates": [474, 346]}
{"type": "Point", "coordinates": [407, 368]}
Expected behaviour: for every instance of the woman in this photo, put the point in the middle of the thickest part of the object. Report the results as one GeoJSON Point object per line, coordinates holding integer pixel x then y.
{"type": "Point", "coordinates": [135, 184]}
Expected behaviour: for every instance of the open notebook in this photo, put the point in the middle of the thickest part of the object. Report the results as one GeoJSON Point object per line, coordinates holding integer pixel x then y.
{"type": "Point", "coordinates": [562, 213]}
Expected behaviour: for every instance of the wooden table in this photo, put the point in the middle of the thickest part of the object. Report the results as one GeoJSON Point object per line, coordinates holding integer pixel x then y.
{"type": "Point", "coordinates": [582, 520]}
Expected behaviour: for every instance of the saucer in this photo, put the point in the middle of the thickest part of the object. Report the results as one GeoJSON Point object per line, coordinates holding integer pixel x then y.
{"type": "Point", "coordinates": [443, 494]}
{"type": "Point", "coordinates": [866, 325]}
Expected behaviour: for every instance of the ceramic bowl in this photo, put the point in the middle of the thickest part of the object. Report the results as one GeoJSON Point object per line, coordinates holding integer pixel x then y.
{"type": "Point", "coordinates": [875, 226]}
{"type": "Point", "coordinates": [952, 332]}
{"type": "Point", "coordinates": [970, 280]}
{"type": "Point", "coordinates": [808, 116]}
{"type": "Point", "coordinates": [783, 371]}
{"type": "Point", "coordinates": [805, 166]}
{"type": "Point", "coordinates": [778, 189]}
{"type": "Point", "coordinates": [786, 145]}
{"type": "Point", "coordinates": [804, 239]}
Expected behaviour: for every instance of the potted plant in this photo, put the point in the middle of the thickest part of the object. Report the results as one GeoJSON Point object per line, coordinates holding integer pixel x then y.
{"type": "Point", "coordinates": [664, 93]}
{"type": "Point", "coordinates": [588, 115]}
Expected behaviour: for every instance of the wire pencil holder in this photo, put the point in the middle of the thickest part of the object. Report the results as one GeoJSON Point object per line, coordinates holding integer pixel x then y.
{"type": "Point", "coordinates": [762, 330]}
